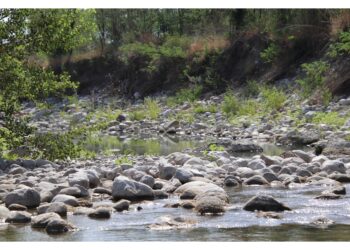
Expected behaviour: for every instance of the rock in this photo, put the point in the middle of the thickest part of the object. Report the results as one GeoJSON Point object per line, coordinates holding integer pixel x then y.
{"type": "Point", "coordinates": [83, 211]}
{"type": "Point", "coordinates": [337, 190]}
{"type": "Point", "coordinates": [331, 166]}
{"type": "Point", "coordinates": [171, 126]}
{"type": "Point", "coordinates": [27, 197]}
{"type": "Point", "coordinates": [303, 173]}
{"type": "Point", "coordinates": [17, 207]}
{"type": "Point", "coordinates": [299, 138]}
{"type": "Point", "coordinates": [191, 189]}
{"type": "Point", "coordinates": [328, 196]}
{"type": "Point", "coordinates": [183, 175]}
{"type": "Point", "coordinates": [79, 178]}
{"type": "Point", "coordinates": [148, 180]}
{"type": "Point", "coordinates": [18, 217]}
{"type": "Point", "coordinates": [307, 157]}
{"type": "Point", "coordinates": [343, 178]}
{"type": "Point", "coordinates": [57, 226]}
{"type": "Point", "coordinates": [168, 222]}
{"type": "Point", "coordinates": [322, 222]}
{"type": "Point", "coordinates": [41, 221]}
{"type": "Point", "coordinates": [93, 177]}
{"type": "Point", "coordinates": [209, 205]}
{"type": "Point", "coordinates": [270, 177]}
{"type": "Point", "coordinates": [101, 190]}
{"type": "Point", "coordinates": [235, 147]}
{"type": "Point", "coordinates": [270, 160]}
{"type": "Point", "coordinates": [178, 158]}
{"type": "Point", "coordinates": [167, 172]}
{"type": "Point", "coordinates": [256, 164]}
{"type": "Point", "coordinates": [122, 205]}
{"type": "Point", "coordinates": [124, 188]}
{"type": "Point", "coordinates": [100, 213]}
{"type": "Point", "coordinates": [231, 181]}
{"type": "Point", "coordinates": [187, 204]}
{"type": "Point", "coordinates": [66, 199]}
{"type": "Point", "coordinates": [160, 194]}
{"type": "Point", "coordinates": [244, 172]}
{"type": "Point", "coordinates": [76, 191]}
{"type": "Point", "coordinates": [57, 207]}
{"type": "Point", "coordinates": [122, 117]}
{"type": "Point", "coordinates": [264, 203]}
{"type": "Point", "coordinates": [17, 170]}
{"type": "Point", "coordinates": [4, 212]}
{"type": "Point", "coordinates": [256, 180]}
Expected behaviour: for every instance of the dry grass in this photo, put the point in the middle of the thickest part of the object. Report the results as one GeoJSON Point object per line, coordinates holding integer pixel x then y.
{"type": "Point", "coordinates": [210, 43]}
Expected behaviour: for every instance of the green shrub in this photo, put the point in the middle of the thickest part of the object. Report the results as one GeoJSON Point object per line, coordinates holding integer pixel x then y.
{"type": "Point", "coordinates": [188, 94]}
{"type": "Point", "coordinates": [330, 118]}
{"type": "Point", "coordinates": [314, 78]}
{"type": "Point", "coordinates": [251, 89]}
{"type": "Point", "coordinates": [200, 109]}
{"type": "Point", "coordinates": [152, 108]}
{"type": "Point", "coordinates": [273, 98]}
{"type": "Point", "coordinates": [122, 160]}
{"type": "Point", "coordinates": [270, 53]}
{"type": "Point", "coordinates": [137, 115]}
{"type": "Point", "coordinates": [249, 108]}
{"type": "Point", "coordinates": [342, 46]}
{"type": "Point", "coordinates": [230, 105]}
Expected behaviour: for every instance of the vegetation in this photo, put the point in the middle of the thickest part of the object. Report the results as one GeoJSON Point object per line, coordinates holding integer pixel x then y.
{"type": "Point", "coordinates": [270, 53]}
{"type": "Point", "coordinates": [342, 46]}
{"type": "Point", "coordinates": [273, 98]}
{"type": "Point", "coordinates": [330, 118]}
{"type": "Point", "coordinates": [152, 108]}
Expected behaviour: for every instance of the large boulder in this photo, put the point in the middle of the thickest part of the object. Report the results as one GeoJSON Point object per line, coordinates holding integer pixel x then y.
{"type": "Point", "coordinates": [256, 180]}
{"type": "Point", "coordinates": [66, 199]}
{"type": "Point", "coordinates": [124, 188]}
{"type": "Point", "coordinates": [122, 205]}
{"type": "Point", "coordinates": [178, 158]}
{"type": "Point", "coordinates": [57, 226]}
{"type": "Point", "coordinates": [18, 217]}
{"type": "Point", "coordinates": [79, 178]}
{"type": "Point", "coordinates": [166, 172]}
{"type": "Point", "coordinates": [331, 166]}
{"type": "Point", "coordinates": [183, 175]}
{"type": "Point", "coordinates": [76, 191]}
{"type": "Point", "coordinates": [56, 207]}
{"type": "Point", "coordinates": [264, 203]}
{"type": "Point", "coordinates": [209, 205]}
{"type": "Point", "coordinates": [41, 221]}
{"type": "Point", "coordinates": [26, 196]}
{"type": "Point", "coordinates": [194, 188]}
{"type": "Point", "coordinates": [100, 213]}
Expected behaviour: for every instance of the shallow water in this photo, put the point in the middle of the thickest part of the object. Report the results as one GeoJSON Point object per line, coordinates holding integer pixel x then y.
{"type": "Point", "coordinates": [234, 225]}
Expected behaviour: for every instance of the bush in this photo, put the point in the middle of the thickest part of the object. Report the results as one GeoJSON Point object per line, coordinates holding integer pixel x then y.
{"type": "Point", "coordinates": [152, 108]}
{"type": "Point", "coordinates": [137, 115]}
{"type": "Point", "coordinates": [273, 98]}
{"type": "Point", "coordinates": [249, 107]}
{"type": "Point", "coordinates": [251, 89]}
{"type": "Point", "coordinates": [341, 47]}
{"type": "Point", "coordinates": [188, 94]}
{"type": "Point", "coordinates": [270, 53]}
{"type": "Point", "coordinates": [330, 118]}
{"type": "Point", "coordinates": [230, 105]}
{"type": "Point", "coordinates": [314, 78]}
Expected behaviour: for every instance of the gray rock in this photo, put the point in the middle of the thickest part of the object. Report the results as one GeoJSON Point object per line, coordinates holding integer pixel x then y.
{"type": "Point", "coordinates": [264, 203]}
{"type": "Point", "coordinates": [256, 180]}
{"type": "Point", "coordinates": [148, 180]}
{"type": "Point", "coordinates": [100, 213]}
{"type": "Point", "coordinates": [124, 188]}
{"type": "Point", "coordinates": [270, 177]}
{"type": "Point", "coordinates": [231, 181]}
{"type": "Point", "coordinates": [4, 212]}
{"type": "Point", "coordinates": [57, 207]}
{"type": "Point", "coordinates": [167, 172]}
{"type": "Point", "coordinates": [76, 191]}
{"type": "Point", "coordinates": [17, 170]}
{"type": "Point", "coordinates": [42, 220]}
{"type": "Point", "coordinates": [18, 217]}
{"type": "Point", "coordinates": [160, 194]}
{"type": "Point", "coordinates": [209, 205]}
{"type": "Point", "coordinates": [57, 226]}
{"type": "Point", "coordinates": [178, 158]}
{"type": "Point", "coordinates": [183, 175]}
{"type": "Point", "coordinates": [79, 178]}
{"type": "Point", "coordinates": [17, 207]}
{"type": "Point", "coordinates": [122, 205]}
{"type": "Point", "coordinates": [93, 177]}
{"type": "Point", "coordinates": [256, 164]}
{"type": "Point", "coordinates": [66, 199]}
{"type": "Point", "coordinates": [101, 190]}
{"type": "Point", "coordinates": [331, 166]}
{"type": "Point", "coordinates": [27, 197]}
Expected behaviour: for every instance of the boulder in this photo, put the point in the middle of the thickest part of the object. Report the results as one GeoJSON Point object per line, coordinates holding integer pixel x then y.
{"type": "Point", "coordinates": [76, 191]}
{"type": "Point", "coordinates": [4, 212]}
{"type": "Point", "coordinates": [124, 188]}
{"type": "Point", "coordinates": [231, 181]}
{"type": "Point", "coordinates": [256, 180]}
{"type": "Point", "coordinates": [178, 158]}
{"type": "Point", "coordinates": [264, 203]}
{"type": "Point", "coordinates": [209, 205]}
{"type": "Point", "coordinates": [183, 175]}
{"type": "Point", "coordinates": [122, 205]}
{"type": "Point", "coordinates": [41, 221]}
{"type": "Point", "coordinates": [167, 172]}
{"type": "Point", "coordinates": [66, 199]}
{"type": "Point", "coordinates": [17, 207]}
{"type": "Point", "coordinates": [79, 178]}
{"type": "Point", "coordinates": [100, 213]}
{"type": "Point", "coordinates": [101, 190]}
{"type": "Point", "coordinates": [18, 217]}
{"type": "Point", "coordinates": [331, 166]}
{"type": "Point", "coordinates": [148, 180]}
{"type": "Point", "coordinates": [26, 196]}
{"type": "Point", "coordinates": [57, 226]}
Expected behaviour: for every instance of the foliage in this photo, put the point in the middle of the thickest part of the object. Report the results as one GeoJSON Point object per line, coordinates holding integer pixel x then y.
{"type": "Point", "coordinates": [137, 115]}
{"type": "Point", "coordinates": [273, 98]}
{"type": "Point", "coordinates": [270, 53]}
{"type": "Point", "coordinates": [215, 147]}
{"type": "Point", "coordinates": [200, 109]}
{"type": "Point", "coordinates": [122, 160]}
{"type": "Point", "coordinates": [152, 108]}
{"type": "Point", "coordinates": [342, 46]}
{"type": "Point", "coordinates": [230, 105]}
{"type": "Point", "coordinates": [188, 94]}
{"type": "Point", "coordinates": [251, 88]}
{"type": "Point", "coordinates": [314, 77]}
{"type": "Point", "coordinates": [249, 107]}
{"type": "Point", "coordinates": [330, 118]}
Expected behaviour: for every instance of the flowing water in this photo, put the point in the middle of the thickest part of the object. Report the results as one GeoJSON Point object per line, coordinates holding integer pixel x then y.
{"type": "Point", "coordinates": [234, 225]}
